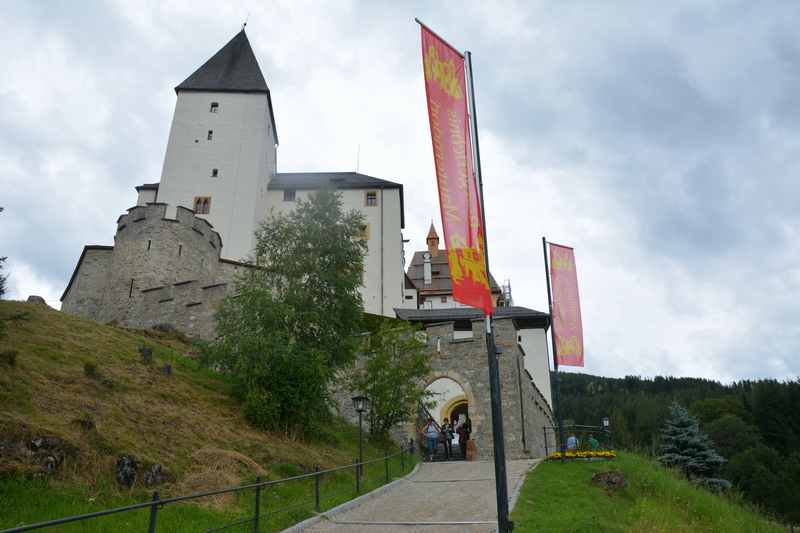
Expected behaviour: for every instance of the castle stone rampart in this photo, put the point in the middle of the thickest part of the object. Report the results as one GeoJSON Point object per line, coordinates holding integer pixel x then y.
{"type": "Point", "coordinates": [525, 410]}
{"type": "Point", "coordinates": [159, 271]}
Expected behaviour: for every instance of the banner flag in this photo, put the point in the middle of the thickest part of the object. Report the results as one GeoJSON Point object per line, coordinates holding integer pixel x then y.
{"type": "Point", "coordinates": [567, 325]}
{"type": "Point", "coordinates": [445, 87]}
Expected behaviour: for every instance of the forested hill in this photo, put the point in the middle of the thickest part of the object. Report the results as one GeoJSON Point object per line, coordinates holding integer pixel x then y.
{"type": "Point", "coordinates": [755, 425]}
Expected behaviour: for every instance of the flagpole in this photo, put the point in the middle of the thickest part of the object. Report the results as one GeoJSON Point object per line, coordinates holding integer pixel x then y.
{"type": "Point", "coordinates": [501, 487]}
{"type": "Point", "coordinates": [557, 399]}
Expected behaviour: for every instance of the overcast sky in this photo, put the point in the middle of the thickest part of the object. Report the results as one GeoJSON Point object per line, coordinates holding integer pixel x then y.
{"type": "Point", "coordinates": [660, 140]}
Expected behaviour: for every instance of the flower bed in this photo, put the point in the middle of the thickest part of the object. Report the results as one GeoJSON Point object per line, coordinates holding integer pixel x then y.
{"type": "Point", "coordinates": [585, 454]}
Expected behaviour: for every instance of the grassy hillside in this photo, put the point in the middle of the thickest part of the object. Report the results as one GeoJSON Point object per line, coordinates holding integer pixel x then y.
{"type": "Point", "coordinates": [86, 385]}
{"type": "Point", "coordinates": [561, 498]}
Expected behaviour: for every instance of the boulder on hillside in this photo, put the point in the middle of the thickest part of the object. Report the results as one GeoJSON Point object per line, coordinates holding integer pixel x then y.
{"type": "Point", "coordinates": [125, 470]}
{"type": "Point", "coordinates": [611, 481]}
{"type": "Point", "coordinates": [34, 299]}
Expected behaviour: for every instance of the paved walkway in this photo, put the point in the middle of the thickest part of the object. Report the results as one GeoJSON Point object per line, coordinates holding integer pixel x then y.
{"type": "Point", "coordinates": [446, 497]}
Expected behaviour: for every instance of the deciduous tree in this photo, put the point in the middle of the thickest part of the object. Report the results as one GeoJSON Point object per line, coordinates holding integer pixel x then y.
{"type": "Point", "coordinates": [294, 318]}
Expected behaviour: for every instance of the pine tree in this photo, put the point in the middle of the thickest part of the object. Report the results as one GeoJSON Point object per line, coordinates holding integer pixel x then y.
{"type": "Point", "coordinates": [683, 445]}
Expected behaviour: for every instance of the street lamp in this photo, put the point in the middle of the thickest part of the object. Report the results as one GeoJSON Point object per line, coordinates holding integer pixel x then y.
{"type": "Point", "coordinates": [605, 422]}
{"type": "Point", "coordinates": [360, 405]}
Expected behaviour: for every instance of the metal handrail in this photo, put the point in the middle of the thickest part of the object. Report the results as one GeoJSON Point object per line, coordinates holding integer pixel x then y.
{"type": "Point", "coordinates": [157, 503]}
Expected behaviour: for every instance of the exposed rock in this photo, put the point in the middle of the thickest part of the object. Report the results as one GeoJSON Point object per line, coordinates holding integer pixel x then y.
{"type": "Point", "coordinates": [126, 470]}
{"type": "Point", "coordinates": [154, 475]}
{"type": "Point", "coordinates": [49, 452]}
{"type": "Point", "coordinates": [147, 354]}
{"type": "Point", "coordinates": [33, 299]}
{"type": "Point", "coordinates": [611, 481]}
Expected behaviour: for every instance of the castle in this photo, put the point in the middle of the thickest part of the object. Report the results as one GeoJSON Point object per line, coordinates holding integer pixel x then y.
{"type": "Point", "coordinates": [177, 252]}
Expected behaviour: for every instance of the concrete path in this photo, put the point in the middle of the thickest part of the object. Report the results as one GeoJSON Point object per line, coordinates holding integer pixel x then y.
{"type": "Point", "coordinates": [446, 497]}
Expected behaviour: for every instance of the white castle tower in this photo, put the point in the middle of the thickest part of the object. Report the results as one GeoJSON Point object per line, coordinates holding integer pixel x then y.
{"type": "Point", "coordinates": [222, 145]}
{"type": "Point", "coordinates": [220, 167]}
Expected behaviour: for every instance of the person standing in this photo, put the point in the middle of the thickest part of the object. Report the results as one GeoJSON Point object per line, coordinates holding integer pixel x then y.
{"type": "Point", "coordinates": [572, 443]}
{"type": "Point", "coordinates": [464, 432]}
{"type": "Point", "coordinates": [447, 434]}
{"type": "Point", "coordinates": [431, 433]}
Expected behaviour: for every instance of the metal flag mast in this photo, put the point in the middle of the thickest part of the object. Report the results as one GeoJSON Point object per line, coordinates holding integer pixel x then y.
{"type": "Point", "coordinates": [557, 377]}
{"type": "Point", "coordinates": [503, 523]}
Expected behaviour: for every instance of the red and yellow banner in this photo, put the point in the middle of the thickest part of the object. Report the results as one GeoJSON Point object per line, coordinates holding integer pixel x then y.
{"type": "Point", "coordinates": [567, 325]}
{"type": "Point", "coordinates": [458, 194]}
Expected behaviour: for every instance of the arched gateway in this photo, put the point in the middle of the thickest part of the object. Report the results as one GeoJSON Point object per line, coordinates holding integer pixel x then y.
{"type": "Point", "coordinates": [459, 374]}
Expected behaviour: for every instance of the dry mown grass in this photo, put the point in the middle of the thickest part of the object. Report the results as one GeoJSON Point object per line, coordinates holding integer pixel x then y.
{"type": "Point", "coordinates": [186, 421]}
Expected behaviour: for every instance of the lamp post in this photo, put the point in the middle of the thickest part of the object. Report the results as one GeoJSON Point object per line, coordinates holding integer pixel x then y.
{"type": "Point", "coordinates": [605, 422]}
{"type": "Point", "coordinates": [360, 405]}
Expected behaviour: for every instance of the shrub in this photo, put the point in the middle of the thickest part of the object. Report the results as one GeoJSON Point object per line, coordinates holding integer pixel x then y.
{"type": "Point", "coordinates": [9, 357]}
{"type": "Point", "coordinates": [90, 370]}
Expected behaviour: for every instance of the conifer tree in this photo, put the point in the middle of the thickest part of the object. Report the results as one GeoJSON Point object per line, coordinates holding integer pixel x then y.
{"type": "Point", "coordinates": [683, 445]}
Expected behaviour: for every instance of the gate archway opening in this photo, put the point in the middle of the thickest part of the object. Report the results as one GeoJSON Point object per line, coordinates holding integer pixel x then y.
{"type": "Point", "coordinates": [449, 400]}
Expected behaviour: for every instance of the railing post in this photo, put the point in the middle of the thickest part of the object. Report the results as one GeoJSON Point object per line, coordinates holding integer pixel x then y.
{"type": "Point", "coordinates": [258, 504]}
{"type": "Point", "coordinates": [386, 463]}
{"type": "Point", "coordinates": [358, 475]}
{"type": "Point", "coordinates": [153, 514]}
{"type": "Point", "coordinates": [316, 487]}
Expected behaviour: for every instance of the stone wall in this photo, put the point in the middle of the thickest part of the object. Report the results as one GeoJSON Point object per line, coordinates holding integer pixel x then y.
{"type": "Point", "coordinates": [159, 271]}
{"type": "Point", "coordinates": [525, 411]}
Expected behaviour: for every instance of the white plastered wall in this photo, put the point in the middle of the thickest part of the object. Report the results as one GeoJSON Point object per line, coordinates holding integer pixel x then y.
{"type": "Point", "coordinates": [383, 279]}
{"type": "Point", "coordinates": [242, 148]}
{"type": "Point", "coordinates": [534, 343]}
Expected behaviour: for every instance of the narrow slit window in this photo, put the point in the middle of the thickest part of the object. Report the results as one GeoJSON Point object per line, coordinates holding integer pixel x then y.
{"type": "Point", "coordinates": [214, 172]}
{"type": "Point", "coordinates": [148, 244]}
{"type": "Point", "coordinates": [214, 107]}
{"type": "Point", "coordinates": [180, 250]}
{"type": "Point", "coordinates": [210, 135]}
{"type": "Point", "coordinates": [130, 291]}
{"type": "Point", "coordinates": [289, 195]}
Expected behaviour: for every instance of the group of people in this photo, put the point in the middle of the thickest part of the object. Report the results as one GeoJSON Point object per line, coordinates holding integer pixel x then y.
{"type": "Point", "coordinates": [573, 443]}
{"type": "Point", "coordinates": [434, 434]}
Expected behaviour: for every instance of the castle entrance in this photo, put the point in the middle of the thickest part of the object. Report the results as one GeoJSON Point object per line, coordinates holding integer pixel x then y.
{"type": "Point", "coordinates": [449, 404]}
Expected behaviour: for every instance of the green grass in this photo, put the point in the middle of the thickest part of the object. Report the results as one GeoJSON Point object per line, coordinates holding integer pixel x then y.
{"type": "Point", "coordinates": [561, 498]}
{"type": "Point", "coordinates": [27, 501]}
{"type": "Point", "coordinates": [188, 422]}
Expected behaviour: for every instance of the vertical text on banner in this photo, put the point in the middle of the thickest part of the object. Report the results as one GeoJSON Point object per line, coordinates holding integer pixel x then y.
{"type": "Point", "coordinates": [445, 87]}
{"type": "Point", "coordinates": [567, 324]}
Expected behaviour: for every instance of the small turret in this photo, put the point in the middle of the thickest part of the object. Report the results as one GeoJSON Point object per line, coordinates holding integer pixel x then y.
{"type": "Point", "coordinates": [433, 241]}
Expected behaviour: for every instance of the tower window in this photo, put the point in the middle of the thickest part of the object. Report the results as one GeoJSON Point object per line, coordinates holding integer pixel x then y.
{"type": "Point", "coordinates": [289, 195]}
{"type": "Point", "coordinates": [214, 172]}
{"type": "Point", "coordinates": [214, 107]}
{"type": "Point", "coordinates": [202, 205]}
{"type": "Point", "coordinates": [180, 250]}
{"type": "Point", "coordinates": [130, 291]}
{"type": "Point", "coordinates": [210, 135]}
{"type": "Point", "coordinates": [371, 198]}
{"type": "Point", "coordinates": [148, 244]}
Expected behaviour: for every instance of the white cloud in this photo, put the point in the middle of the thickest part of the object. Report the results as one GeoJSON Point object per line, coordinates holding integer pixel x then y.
{"type": "Point", "coordinates": [659, 140]}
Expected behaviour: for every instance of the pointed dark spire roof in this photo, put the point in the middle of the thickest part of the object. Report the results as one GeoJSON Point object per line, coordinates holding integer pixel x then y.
{"type": "Point", "coordinates": [233, 69]}
{"type": "Point", "coordinates": [432, 233]}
